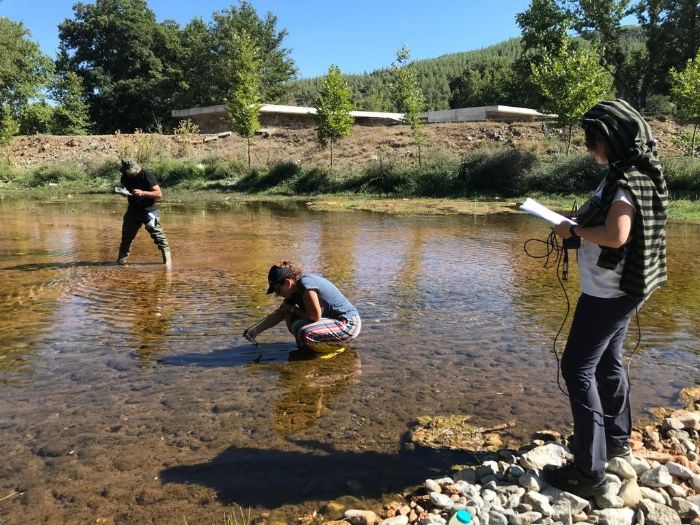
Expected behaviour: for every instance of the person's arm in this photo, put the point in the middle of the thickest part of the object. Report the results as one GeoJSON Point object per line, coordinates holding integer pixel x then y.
{"type": "Point", "coordinates": [613, 234]}
{"type": "Point", "coordinates": [154, 193]}
{"type": "Point", "coordinates": [271, 320]}
{"type": "Point", "coordinates": [312, 306]}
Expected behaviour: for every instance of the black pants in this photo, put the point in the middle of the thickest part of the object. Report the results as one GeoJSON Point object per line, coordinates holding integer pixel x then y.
{"type": "Point", "coordinates": [133, 219]}
{"type": "Point", "coordinates": [595, 377]}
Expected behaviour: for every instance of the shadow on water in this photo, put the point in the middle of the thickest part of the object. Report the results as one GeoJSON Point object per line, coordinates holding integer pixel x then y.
{"type": "Point", "coordinates": [271, 478]}
{"type": "Point", "coordinates": [236, 356]}
{"type": "Point", "coordinates": [29, 267]}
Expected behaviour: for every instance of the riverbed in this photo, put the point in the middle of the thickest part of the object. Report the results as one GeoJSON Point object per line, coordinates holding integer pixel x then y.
{"type": "Point", "coordinates": [129, 396]}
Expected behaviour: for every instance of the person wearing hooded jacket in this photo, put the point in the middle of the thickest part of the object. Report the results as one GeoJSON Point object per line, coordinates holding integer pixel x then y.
{"type": "Point", "coordinates": [622, 260]}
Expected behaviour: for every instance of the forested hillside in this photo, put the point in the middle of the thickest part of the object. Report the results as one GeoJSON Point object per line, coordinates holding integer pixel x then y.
{"type": "Point", "coordinates": [372, 91]}
{"type": "Point", "coordinates": [119, 68]}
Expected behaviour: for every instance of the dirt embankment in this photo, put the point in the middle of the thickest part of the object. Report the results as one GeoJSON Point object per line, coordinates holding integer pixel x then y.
{"type": "Point", "coordinates": [367, 143]}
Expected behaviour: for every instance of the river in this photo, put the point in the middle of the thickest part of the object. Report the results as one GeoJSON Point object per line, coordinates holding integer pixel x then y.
{"type": "Point", "coordinates": [129, 396]}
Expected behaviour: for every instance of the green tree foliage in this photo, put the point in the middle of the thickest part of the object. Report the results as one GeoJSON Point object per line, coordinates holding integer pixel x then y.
{"type": "Point", "coordinates": [125, 60]}
{"type": "Point", "coordinates": [24, 71]}
{"type": "Point", "coordinates": [333, 108]}
{"type": "Point", "coordinates": [408, 96]}
{"type": "Point", "coordinates": [197, 62]}
{"type": "Point", "coordinates": [372, 91]}
{"type": "Point", "coordinates": [685, 91]}
{"type": "Point", "coordinates": [672, 30]}
{"type": "Point", "coordinates": [71, 116]}
{"type": "Point", "coordinates": [571, 81]}
{"type": "Point", "coordinates": [9, 127]}
{"type": "Point", "coordinates": [544, 26]}
{"type": "Point", "coordinates": [36, 117]}
{"type": "Point", "coordinates": [244, 101]}
{"type": "Point", "coordinates": [490, 82]}
{"type": "Point", "coordinates": [277, 67]}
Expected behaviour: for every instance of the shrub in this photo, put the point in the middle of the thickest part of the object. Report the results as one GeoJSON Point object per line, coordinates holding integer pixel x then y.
{"type": "Point", "coordinates": [683, 176]}
{"type": "Point", "coordinates": [500, 172]}
{"type": "Point", "coordinates": [564, 175]}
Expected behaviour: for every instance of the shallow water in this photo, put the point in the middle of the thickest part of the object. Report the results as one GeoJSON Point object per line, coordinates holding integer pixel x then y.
{"type": "Point", "coordinates": [128, 395]}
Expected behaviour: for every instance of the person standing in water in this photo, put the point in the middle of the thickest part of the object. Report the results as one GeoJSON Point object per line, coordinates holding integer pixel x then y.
{"type": "Point", "coordinates": [315, 311]}
{"type": "Point", "coordinates": [622, 260]}
{"type": "Point", "coordinates": [144, 191]}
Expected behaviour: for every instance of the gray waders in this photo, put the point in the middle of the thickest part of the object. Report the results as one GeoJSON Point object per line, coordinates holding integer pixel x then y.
{"type": "Point", "coordinates": [130, 227]}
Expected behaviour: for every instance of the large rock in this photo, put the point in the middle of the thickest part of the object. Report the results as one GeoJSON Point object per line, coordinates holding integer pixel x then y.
{"type": "Point", "coordinates": [656, 514]}
{"type": "Point", "coordinates": [652, 495]}
{"type": "Point", "coordinates": [396, 520]}
{"type": "Point", "coordinates": [656, 477]}
{"type": "Point", "coordinates": [526, 518]}
{"type": "Point", "coordinates": [609, 501]}
{"type": "Point", "coordinates": [549, 454]}
{"type": "Point", "coordinates": [622, 468]}
{"type": "Point", "coordinates": [614, 516]}
{"type": "Point", "coordinates": [630, 493]}
{"type": "Point", "coordinates": [679, 471]}
{"type": "Point", "coordinates": [361, 517]}
{"type": "Point", "coordinates": [441, 500]}
{"type": "Point", "coordinates": [530, 481]}
{"type": "Point", "coordinates": [685, 509]}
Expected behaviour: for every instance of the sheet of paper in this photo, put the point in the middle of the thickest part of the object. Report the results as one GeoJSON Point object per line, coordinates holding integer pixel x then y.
{"type": "Point", "coordinates": [537, 209]}
{"type": "Point", "coordinates": [122, 191]}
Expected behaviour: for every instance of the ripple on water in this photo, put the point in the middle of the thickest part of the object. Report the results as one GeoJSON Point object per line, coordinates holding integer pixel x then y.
{"type": "Point", "coordinates": [143, 373]}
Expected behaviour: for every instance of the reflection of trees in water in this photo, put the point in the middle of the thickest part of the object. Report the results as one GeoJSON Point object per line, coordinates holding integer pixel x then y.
{"type": "Point", "coordinates": [408, 277]}
{"type": "Point", "coordinates": [152, 307]}
{"type": "Point", "coordinates": [309, 387]}
{"type": "Point", "coordinates": [674, 307]}
{"type": "Point", "coordinates": [337, 252]}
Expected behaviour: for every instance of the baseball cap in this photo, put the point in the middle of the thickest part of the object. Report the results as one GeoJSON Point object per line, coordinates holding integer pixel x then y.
{"type": "Point", "coordinates": [130, 166]}
{"type": "Point", "coordinates": [275, 275]}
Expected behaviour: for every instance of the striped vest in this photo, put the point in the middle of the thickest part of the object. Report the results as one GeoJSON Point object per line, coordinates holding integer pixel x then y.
{"type": "Point", "coordinates": [635, 167]}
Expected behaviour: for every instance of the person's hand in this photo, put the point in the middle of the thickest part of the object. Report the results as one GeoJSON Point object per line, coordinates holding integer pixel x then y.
{"type": "Point", "coordinates": [563, 229]}
{"type": "Point", "coordinates": [138, 193]}
{"type": "Point", "coordinates": [250, 334]}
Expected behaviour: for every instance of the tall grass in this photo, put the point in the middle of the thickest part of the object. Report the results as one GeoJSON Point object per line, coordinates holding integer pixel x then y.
{"type": "Point", "coordinates": [503, 172]}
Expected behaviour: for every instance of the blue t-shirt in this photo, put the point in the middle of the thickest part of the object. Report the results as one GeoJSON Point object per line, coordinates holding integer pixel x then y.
{"type": "Point", "coordinates": [334, 305]}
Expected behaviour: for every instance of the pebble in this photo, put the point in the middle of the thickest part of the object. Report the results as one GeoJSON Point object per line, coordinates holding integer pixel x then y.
{"type": "Point", "coordinates": [659, 484]}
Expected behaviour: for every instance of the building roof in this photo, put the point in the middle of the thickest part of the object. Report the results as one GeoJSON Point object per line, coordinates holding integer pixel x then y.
{"type": "Point", "coordinates": [446, 115]}
{"type": "Point", "coordinates": [282, 110]}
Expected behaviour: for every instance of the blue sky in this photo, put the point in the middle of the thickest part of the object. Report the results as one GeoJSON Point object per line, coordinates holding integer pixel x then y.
{"type": "Point", "coordinates": [357, 35]}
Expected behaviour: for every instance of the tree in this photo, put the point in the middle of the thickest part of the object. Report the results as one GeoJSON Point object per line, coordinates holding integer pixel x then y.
{"type": "Point", "coordinates": [24, 71]}
{"type": "Point", "coordinates": [36, 117]}
{"type": "Point", "coordinates": [672, 30]}
{"type": "Point", "coordinates": [571, 81]}
{"type": "Point", "coordinates": [333, 109]}
{"type": "Point", "coordinates": [244, 101]}
{"type": "Point", "coordinates": [685, 91]}
{"type": "Point", "coordinates": [487, 82]}
{"type": "Point", "coordinates": [276, 67]}
{"type": "Point", "coordinates": [9, 127]}
{"type": "Point", "coordinates": [125, 60]}
{"type": "Point", "coordinates": [408, 95]}
{"type": "Point", "coordinates": [70, 117]}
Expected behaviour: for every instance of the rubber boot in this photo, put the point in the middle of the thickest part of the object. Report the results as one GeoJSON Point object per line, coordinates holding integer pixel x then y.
{"type": "Point", "coordinates": [167, 260]}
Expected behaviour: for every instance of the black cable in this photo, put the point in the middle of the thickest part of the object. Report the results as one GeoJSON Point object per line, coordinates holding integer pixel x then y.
{"type": "Point", "coordinates": [553, 247]}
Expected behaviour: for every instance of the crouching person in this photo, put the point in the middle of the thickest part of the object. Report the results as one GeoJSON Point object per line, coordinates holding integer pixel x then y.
{"type": "Point", "coordinates": [144, 191]}
{"type": "Point", "coordinates": [321, 318]}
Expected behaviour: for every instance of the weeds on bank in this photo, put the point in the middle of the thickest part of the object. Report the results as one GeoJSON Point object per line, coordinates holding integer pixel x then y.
{"type": "Point", "coordinates": [490, 173]}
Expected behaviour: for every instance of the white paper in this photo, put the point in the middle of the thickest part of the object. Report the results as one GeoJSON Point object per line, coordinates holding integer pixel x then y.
{"type": "Point", "coordinates": [537, 209]}
{"type": "Point", "coordinates": [122, 191]}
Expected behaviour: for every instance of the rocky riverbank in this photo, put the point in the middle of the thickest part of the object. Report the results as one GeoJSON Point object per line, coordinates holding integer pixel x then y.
{"type": "Point", "coordinates": [659, 484]}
